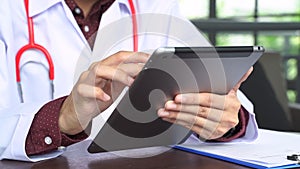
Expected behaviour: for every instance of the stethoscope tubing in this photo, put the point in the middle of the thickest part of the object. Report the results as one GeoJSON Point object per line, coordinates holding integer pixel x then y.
{"type": "Point", "coordinates": [33, 46]}
{"type": "Point", "coordinates": [134, 26]}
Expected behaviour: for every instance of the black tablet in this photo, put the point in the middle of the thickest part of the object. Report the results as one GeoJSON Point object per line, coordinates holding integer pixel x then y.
{"type": "Point", "coordinates": [169, 71]}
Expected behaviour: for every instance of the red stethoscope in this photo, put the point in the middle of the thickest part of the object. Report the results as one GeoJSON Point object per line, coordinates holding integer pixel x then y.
{"type": "Point", "coordinates": [33, 46]}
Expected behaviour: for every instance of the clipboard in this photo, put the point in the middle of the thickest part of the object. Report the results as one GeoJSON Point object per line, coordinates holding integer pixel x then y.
{"type": "Point", "coordinates": [169, 71]}
{"type": "Point", "coordinates": [270, 150]}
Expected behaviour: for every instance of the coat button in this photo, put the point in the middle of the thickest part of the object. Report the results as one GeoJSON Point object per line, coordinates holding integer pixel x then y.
{"type": "Point", "coordinates": [48, 140]}
{"type": "Point", "coordinates": [86, 28]}
{"type": "Point", "coordinates": [77, 11]}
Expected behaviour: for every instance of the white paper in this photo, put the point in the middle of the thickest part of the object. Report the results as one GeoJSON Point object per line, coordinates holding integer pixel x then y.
{"type": "Point", "coordinates": [270, 149]}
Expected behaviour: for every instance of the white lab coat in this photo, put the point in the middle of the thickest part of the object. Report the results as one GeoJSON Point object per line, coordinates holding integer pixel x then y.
{"type": "Point", "coordinates": [57, 30]}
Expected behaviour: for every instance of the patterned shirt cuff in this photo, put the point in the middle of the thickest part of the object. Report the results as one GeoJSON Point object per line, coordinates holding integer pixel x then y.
{"type": "Point", "coordinates": [239, 130]}
{"type": "Point", "coordinates": [44, 134]}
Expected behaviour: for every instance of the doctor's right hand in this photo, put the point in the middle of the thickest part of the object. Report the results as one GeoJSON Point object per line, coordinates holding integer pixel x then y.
{"type": "Point", "coordinates": [97, 88]}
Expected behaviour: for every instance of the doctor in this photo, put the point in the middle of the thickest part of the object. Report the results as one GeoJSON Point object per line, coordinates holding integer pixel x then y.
{"type": "Point", "coordinates": [34, 126]}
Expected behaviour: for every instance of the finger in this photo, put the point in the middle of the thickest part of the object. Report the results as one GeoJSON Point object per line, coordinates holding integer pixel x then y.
{"type": "Point", "coordinates": [92, 92]}
{"type": "Point", "coordinates": [202, 99]}
{"type": "Point", "coordinates": [204, 128]}
{"type": "Point", "coordinates": [247, 74]}
{"type": "Point", "coordinates": [178, 116]}
{"type": "Point", "coordinates": [133, 69]}
{"type": "Point", "coordinates": [190, 118]}
{"type": "Point", "coordinates": [207, 133]}
{"type": "Point", "coordinates": [126, 57]}
{"type": "Point", "coordinates": [113, 74]}
{"type": "Point", "coordinates": [204, 112]}
{"type": "Point", "coordinates": [122, 57]}
{"type": "Point", "coordinates": [228, 116]}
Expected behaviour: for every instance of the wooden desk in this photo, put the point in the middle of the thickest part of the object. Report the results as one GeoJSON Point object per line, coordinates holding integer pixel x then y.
{"type": "Point", "coordinates": [76, 157]}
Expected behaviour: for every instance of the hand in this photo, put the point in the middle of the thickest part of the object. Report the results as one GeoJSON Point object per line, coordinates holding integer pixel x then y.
{"type": "Point", "coordinates": [209, 115]}
{"type": "Point", "coordinates": [97, 88]}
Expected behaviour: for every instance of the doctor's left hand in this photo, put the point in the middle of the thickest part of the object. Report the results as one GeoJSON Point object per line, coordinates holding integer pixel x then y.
{"type": "Point", "coordinates": [97, 87]}
{"type": "Point", "coordinates": [207, 114]}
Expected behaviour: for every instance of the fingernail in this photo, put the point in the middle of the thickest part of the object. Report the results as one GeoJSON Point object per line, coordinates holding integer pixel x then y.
{"type": "Point", "coordinates": [163, 113]}
{"type": "Point", "coordinates": [171, 105]}
{"type": "Point", "coordinates": [180, 98]}
{"type": "Point", "coordinates": [130, 80]}
{"type": "Point", "coordinates": [232, 92]}
{"type": "Point", "coordinates": [106, 97]}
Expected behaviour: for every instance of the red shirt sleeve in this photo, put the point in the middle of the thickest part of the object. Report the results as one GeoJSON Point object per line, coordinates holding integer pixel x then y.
{"type": "Point", "coordinates": [44, 134]}
{"type": "Point", "coordinates": [239, 130]}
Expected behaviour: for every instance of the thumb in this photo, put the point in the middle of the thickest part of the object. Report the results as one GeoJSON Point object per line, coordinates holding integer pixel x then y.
{"type": "Point", "coordinates": [246, 75]}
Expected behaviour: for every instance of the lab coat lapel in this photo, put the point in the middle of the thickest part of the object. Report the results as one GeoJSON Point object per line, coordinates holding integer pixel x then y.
{"type": "Point", "coordinates": [111, 15]}
{"type": "Point", "coordinates": [74, 23]}
{"type": "Point", "coordinates": [104, 35]}
{"type": "Point", "coordinates": [38, 6]}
